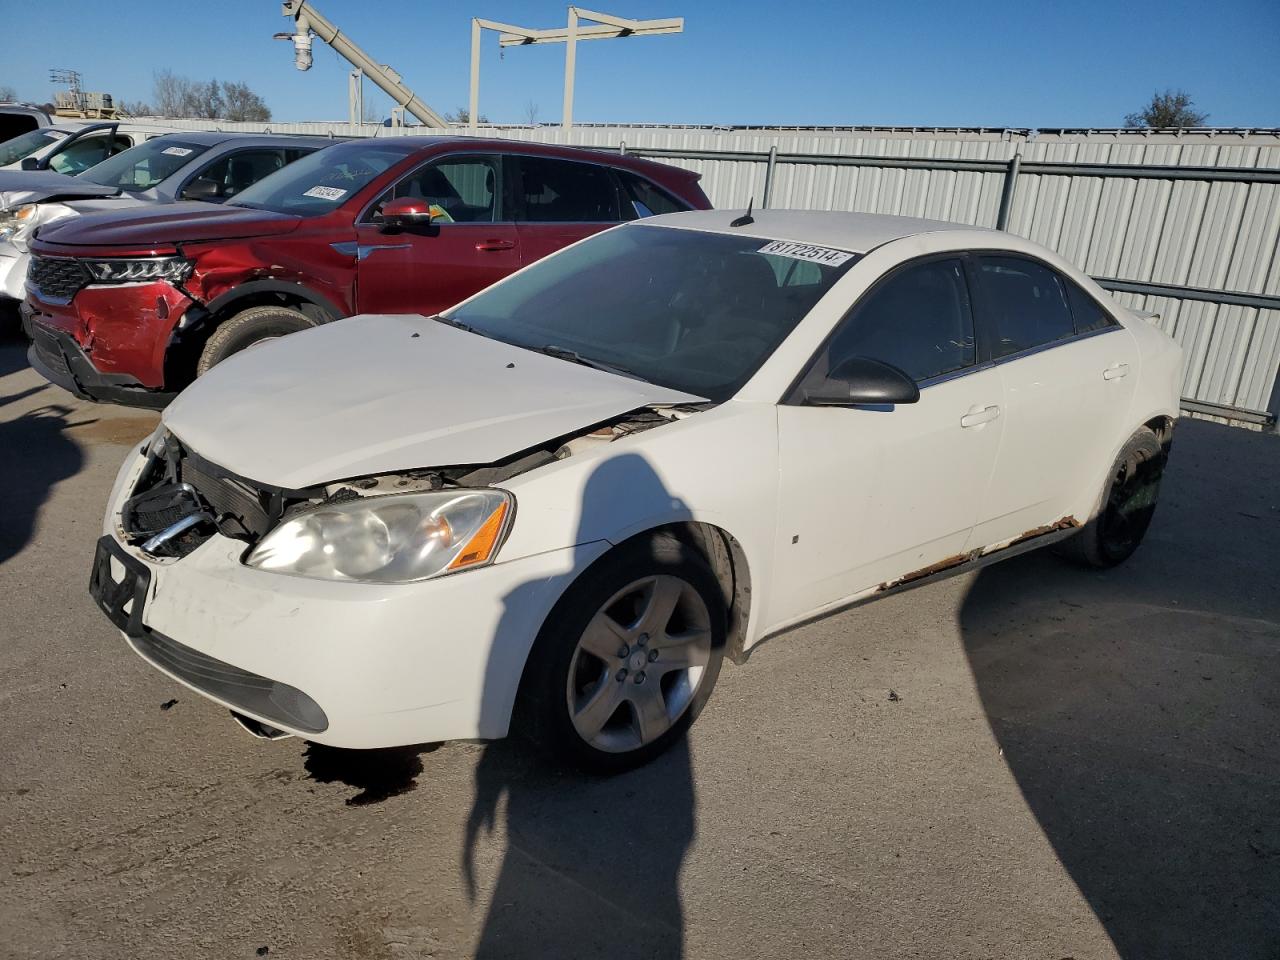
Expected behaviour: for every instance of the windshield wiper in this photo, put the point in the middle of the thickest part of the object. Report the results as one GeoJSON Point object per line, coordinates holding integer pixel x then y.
{"type": "Point", "coordinates": [454, 323]}
{"type": "Point", "coordinates": [573, 356]}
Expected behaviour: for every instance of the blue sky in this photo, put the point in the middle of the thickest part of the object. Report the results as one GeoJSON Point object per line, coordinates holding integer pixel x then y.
{"type": "Point", "coordinates": [999, 63]}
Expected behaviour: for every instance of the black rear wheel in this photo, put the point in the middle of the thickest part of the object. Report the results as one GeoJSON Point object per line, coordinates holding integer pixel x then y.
{"type": "Point", "coordinates": [1127, 506]}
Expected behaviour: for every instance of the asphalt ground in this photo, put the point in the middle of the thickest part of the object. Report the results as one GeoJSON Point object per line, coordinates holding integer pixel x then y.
{"type": "Point", "coordinates": [1031, 761]}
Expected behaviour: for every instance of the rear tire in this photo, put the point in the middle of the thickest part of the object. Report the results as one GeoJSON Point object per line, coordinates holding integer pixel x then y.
{"type": "Point", "coordinates": [627, 659]}
{"type": "Point", "coordinates": [248, 328]}
{"type": "Point", "coordinates": [1127, 505]}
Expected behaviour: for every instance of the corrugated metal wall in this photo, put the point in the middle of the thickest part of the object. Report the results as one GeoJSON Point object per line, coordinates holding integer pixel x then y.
{"type": "Point", "coordinates": [1218, 236]}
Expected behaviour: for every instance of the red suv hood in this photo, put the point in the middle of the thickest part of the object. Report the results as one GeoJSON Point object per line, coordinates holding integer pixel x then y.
{"type": "Point", "coordinates": [167, 224]}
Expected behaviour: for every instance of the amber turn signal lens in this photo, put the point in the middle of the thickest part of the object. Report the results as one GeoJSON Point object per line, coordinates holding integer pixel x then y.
{"type": "Point", "coordinates": [481, 546]}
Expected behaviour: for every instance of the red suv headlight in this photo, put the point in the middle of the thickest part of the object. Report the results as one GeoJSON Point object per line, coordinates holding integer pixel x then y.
{"type": "Point", "coordinates": [135, 269]}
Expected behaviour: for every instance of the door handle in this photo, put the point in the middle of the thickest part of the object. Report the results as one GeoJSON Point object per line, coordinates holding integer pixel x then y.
{"type": "Point", "coordinates": [979, 415]}
{"type": "Point", "coordinates": [495, 245]}
{"type": "Point", "coordinates": [1115, 371]}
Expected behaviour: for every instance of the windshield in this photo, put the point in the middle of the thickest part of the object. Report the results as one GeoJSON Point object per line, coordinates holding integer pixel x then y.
{"type": "Point", "coordinates": [698, 312]}
{"type": "Point", "coordinates": [143, 166]}
{"type": "Point", "coordinates": [322, 181]}
{"type": "Point", "coordinates": [11, 151]}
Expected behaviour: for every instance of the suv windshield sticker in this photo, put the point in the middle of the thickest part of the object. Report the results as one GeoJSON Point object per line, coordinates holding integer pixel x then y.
{"type": "Point", "coordinates": [176, 151]}
{"type": "Point", "coordinates": [55, 135]}
{"type": "Point", "coordinates": [325, 193]}
{"type": "Point", "coordinates": [804, 251]}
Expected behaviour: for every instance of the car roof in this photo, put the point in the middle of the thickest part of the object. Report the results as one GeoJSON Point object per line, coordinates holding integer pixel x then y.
{"type": "Point", "coordinates": [855, 232]}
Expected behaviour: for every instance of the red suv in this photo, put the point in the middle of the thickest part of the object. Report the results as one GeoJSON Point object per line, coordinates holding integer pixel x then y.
{"type": "Point", "coordinates": [131, 306]}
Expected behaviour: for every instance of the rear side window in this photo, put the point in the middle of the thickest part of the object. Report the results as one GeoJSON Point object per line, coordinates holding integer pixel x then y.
{"type": "Point", "coordinates": [1025, 304]}
{"type": "Point", "coordinates": [562, 191]}
{"type": "Point", "coordinates": [643, 199]}
{"type": "Point", "coordinates": [919, 320]}
{"type": "Point", "coordinates": [1086, 311]}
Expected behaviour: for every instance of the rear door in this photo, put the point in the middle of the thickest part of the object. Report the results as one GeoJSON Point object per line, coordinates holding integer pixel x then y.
{"type": "Point", "coordinates": [872, 494]}
{"type": "Point", "coordinates": [1068, 371]}
{"type": "Point", "coordinates": [470, 244]}
{"type": "Point", "coordinates": [560, 202]}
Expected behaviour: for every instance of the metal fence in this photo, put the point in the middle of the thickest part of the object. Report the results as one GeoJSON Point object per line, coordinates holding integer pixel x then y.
{"type": "Point", "coordinates": [1185, 225]}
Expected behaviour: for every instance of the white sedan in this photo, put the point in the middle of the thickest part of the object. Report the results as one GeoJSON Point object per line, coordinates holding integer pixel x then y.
{"type": "Point", "coordinates": [557, 508]}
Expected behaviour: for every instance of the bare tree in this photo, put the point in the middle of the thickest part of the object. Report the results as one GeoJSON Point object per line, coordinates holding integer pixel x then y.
{"type": "Point", "coordinates": [463, 115]}
{"type": "Point", "coordinates": [1173, 108]}
{"type": "Point", "coordinates": [169, 93]}
{"type": "Point", "coordinates": [531, 113]}
{"type": "Point", "coordinates": [243, 104]}
{"type": "Point", "coordinates": [7, 92]}
{"type": "Point", "coordinates": [178, 96]}
{"type": "Point", "coordinates": [137, 108]}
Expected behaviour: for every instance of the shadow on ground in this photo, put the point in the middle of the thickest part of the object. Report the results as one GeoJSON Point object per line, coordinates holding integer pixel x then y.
{"type": "Point", "coordinates": [35, 454]}
{"type": "Point", "coordinates": [1138, 707]}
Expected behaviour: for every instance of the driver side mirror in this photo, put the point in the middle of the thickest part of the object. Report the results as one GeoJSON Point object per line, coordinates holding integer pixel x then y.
{"type": "Point", "coordinates": [862, 380]}
{"type": "Point", "coordinates": [202, 188]}
{"type": "Point", "coordinates": [405, 212]}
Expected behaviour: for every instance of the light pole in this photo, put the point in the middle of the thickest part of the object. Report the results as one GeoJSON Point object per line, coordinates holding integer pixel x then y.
{"type": "Point", "coordinates": [604, 26]}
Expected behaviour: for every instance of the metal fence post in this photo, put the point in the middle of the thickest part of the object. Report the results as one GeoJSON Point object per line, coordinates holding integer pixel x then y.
{"type": "Point", "coordinates": [768, 177]}
{"type": "Point", "coordinates": [622, 148]}
{"type": "Point", "coordinates": [1010, 184]}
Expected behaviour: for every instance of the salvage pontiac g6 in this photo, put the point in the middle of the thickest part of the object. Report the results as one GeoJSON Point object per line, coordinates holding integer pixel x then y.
{"type": "Point", "coordinates": [556, 508]}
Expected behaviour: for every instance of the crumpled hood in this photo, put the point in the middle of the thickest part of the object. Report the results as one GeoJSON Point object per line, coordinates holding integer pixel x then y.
{"type": "Point", "coordinates": [377, 394]}
{"type": "Point", "coordinates": [168, 223]}
{"type": "Point", "coordinates": [32, 186]}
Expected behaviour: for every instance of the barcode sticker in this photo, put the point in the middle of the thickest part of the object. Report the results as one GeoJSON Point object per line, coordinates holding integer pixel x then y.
{"type": "Point", "coordinates": [325, 193]}
{"type": "Point", "coordinates": [824, 256]}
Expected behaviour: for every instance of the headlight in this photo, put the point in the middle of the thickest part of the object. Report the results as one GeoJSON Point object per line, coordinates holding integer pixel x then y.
{"type": "Point", "coordinates": [19, 219]}
{"type": "Point", "coordinates": [390, 539]}
{"type": "Point", "coordinates": [172, 269]}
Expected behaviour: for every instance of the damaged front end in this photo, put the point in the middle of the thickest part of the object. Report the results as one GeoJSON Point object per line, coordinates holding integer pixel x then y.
{"type": "Point", "coordinates": [180, 499]}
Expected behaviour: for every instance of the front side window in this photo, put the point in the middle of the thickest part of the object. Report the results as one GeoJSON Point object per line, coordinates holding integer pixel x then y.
{"type": "Point", "coordinates": [322, 181]}
{"type": "Point", "coordinates": [698, 312]}
{"type": "Point", "coordinates": [919, 320]}
{"type": "Point", "coordinates": [1025, 305]}
{"type": "Point", "coordinates": [144, 166]}
{"type": "Point", "coordinates": [563, 191]}
{"type": "Point", "coordinates": [11, 151]}
{"type": "Point", "coordinates": [86, 152]}
{"type": "Point", "coordinates": [459, 189]}
{"type": "Point", "coordinates": [234, 173]}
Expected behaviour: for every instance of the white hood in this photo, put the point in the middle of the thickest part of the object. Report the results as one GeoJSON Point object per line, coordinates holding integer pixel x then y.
{"type": "Point", "coordinates": [377, 394]}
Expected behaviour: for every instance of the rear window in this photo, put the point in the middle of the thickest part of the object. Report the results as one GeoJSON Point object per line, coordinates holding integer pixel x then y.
{"type": "Point", "coordinates": [643, 199]}
{"type": "Point", "coordinates": [323, 181]}
{"type": "Point", "coordinates": [12, 124]}
{"type": "Point", "coordinates": [144, 166]}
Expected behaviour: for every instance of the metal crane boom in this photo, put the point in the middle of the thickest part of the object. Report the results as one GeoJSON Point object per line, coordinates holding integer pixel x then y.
{"type": "Point", "coordinates": [310, 20]}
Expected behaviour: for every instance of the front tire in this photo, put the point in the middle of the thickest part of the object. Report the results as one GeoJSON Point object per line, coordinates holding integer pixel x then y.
{"type": "Point", "coordinates": [249, 327]}
{"type": "Point", "coordinates": [627, 659]}
{"type": "Point", "coordinates": [1127, 505]}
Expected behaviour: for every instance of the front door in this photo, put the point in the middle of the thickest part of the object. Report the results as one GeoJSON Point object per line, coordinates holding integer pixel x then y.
{"type": "Point", "coordinates": [870, 495]}
{"type": "Point", "coordinates": [469, 244]}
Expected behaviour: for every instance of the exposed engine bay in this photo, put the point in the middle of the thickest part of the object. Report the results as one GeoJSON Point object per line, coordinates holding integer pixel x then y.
{"type": "Point", "coordinates": [180, 499]}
